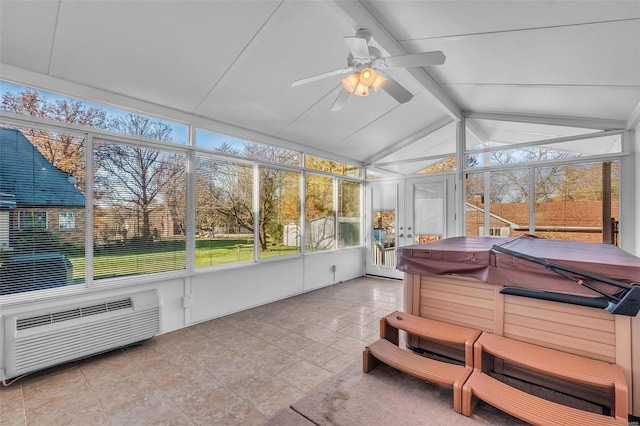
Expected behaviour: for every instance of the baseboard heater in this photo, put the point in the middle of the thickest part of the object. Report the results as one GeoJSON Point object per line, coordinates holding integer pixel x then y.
{"type": "Point", "coordinates": [40, 339]}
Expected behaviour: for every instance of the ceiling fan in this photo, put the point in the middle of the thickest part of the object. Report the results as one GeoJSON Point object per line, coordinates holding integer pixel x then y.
{"type": "Point", "coordinates": [365, 62]}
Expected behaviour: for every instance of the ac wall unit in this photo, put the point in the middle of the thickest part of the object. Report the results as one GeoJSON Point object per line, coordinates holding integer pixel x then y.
{"type": "Point", "coordinates": [44, 338]}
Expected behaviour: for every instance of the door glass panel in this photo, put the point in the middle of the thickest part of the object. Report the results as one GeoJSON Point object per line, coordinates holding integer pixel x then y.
{"type": "Point", "coordinates": [384, 204]}
{"type": "Point", "coordinates": [428, 212]}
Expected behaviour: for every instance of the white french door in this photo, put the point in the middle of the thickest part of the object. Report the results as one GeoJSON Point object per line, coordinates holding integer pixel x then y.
{"type": "Point", "coordinates": [403, 212]}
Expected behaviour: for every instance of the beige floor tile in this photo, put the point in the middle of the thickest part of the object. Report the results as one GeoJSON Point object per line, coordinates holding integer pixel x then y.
{"type": "Point", "coordinates": [220, 407]}
{"type": "Point", "coordinates": [257, 388]}
{"type": "Point", "coordinates": [349, 345]}
{"type": "Point", "coordinates": [274, 360]}
{"type": "Point", "coordinates": [340, 362]}
{"type": "Point", "coordinates": [318, 354]}
{"type": "Point", "coordinates": [305, 376]}
{"type": "Point", "coordinates": [325, 336]}
{"type": "Point", "coordinates": [358, 331]}
{"type": "Point", "coordinates": [239, 369]}
{"type": "Point", "coordinates": [280, 400]}
{"type": "Point", "coordinates": [12, 405]}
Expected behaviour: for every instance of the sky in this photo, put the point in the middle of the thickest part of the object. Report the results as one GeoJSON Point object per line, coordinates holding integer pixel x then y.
{"type": "Point", "coordinates": [179, 131]}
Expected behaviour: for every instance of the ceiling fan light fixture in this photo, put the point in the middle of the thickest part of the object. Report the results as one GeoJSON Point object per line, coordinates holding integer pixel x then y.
{"type": "Point", "coordinates": [351, 81]}
{"type": "Point", "coordinates": [368, 76]}
{"type": "Point", "coordinates": [379, 82]}
{"type": "Point", "coordinates": [361, 90]}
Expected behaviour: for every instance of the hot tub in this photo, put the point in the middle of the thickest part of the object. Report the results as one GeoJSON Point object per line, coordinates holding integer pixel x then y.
{"type": "Point", "coordinates": [459, 280]}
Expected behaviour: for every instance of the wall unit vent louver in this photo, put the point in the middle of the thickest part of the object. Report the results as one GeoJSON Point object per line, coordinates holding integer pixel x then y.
{"type": "Point", "coordinates": [40, 339]}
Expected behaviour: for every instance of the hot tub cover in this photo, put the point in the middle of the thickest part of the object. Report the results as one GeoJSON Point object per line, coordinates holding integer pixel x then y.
{"type": "Point", "coordinates": [473, 257]}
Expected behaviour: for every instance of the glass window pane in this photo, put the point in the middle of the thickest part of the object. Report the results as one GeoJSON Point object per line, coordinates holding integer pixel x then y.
{"type": "Point", "coordinates": [320, 213]}
{"type": "Point", "coordinates": [349, 214]}
{"type": "Point", "coordinates": [224, 212]}
{"type": "Point", "coordinates": [329, 166]}
{"type": "Point", "coordinates": [139, 210]}
{"type": "Point", "coordinates": [481, 133]}
{"type": "Point", "coordinates": [67, 220]}
{"type": "Point", "coordinates": [279, 212]}
{"type": "Point", "coordinates": [444, 165]}
{"type": "Point", "coordinates": [578, 202]}
{"type": "Point", "coordinates": [558, 151]}
{"type": "Point", "coordinates": [41, 179]}
{"type": "Point", "coordinates": [30, 220]}
{"type": "Point", "coordinates": [429, 212]}
{"type": "Point", "coordinates": [384, 201]}
{"type": "Point", "coordinates": [474, 205]}
{"type": "Point", "coordinates": [509, 203]}
{"type": "Point", "coordinates": [243, 148]}
{"type": "Point", "coordinates": [26, 101]}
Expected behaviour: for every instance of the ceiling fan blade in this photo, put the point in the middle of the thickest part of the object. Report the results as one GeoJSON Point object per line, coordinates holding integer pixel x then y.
{"type": "Point", "coordinates": [397, 92]}
{"type": "Point", "coordinates": [415, 59]}
{"type": "Point", "coordinates": [358, 47]}
{"type": "Point", "coordinates": [321, 76]}
{"type": "Point", "coordinates": [340, 100]}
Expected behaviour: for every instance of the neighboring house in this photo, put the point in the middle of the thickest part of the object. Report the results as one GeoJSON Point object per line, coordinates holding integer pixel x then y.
{"type": "Point", "coordinates": [570, 220]}
{"type": "Point", "coordinates": [34, 194]}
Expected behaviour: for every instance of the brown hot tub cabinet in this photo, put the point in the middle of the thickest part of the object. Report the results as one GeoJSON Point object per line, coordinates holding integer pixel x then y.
{"type": "Point", "coordinates": [459, 281]}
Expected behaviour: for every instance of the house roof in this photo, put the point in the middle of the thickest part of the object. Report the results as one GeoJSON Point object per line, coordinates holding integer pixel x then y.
{"type": "Point", "coordinates": [29, 179]}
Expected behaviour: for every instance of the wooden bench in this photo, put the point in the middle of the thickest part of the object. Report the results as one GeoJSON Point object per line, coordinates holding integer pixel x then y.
{"type": "Point", "coordinates": [386, 350]}
{"type": "Point", "coordinates": [549, 362]}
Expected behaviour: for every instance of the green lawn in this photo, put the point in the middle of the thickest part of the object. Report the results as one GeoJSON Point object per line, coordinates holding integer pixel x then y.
{"type": "Point", "coordinates": [120, 261]}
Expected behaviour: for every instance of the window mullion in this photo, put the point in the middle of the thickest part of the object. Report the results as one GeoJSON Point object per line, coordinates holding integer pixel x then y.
{"type": "Point", "coordinates": [88, 211]}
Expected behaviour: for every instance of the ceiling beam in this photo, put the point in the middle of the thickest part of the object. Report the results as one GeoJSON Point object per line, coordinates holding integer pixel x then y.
{"type": "Point", "coordinates": [634, 119]}
{"type": "Point", "coordinates": [587, 123]}
{"type": "Point", "coordinates": [361, 18]}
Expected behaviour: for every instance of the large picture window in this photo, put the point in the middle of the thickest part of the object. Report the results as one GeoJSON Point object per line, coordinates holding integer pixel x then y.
{"type": "Point", "coordinates": [547, 183]}
{"type": "Point", "coordinates": [41, 175]}
{"type": "Point", "coordinates": [349, 216]}
{"type": "Point", "coordinates": [279, 218]}
{"type": "Point", "coordinates": [320, 213]}
{"type": "Point", "coordinates": [139, 210]}
{"type": "Point", "coordinates": [224, 212]}
{"type": "Point", "coordinates": [248, 197]}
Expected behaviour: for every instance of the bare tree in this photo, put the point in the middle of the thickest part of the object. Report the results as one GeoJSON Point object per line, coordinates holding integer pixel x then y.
{"type": "Point", "coordinates": [225, 190]}
{"type": "Point", "coordinates": [139, 177]}
{"type": "Point", "coordinates": [64, 151]}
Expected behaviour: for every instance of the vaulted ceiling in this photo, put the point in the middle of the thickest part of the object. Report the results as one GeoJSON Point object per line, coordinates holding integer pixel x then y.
{"type": "Point", "coordinates": [233, 62]}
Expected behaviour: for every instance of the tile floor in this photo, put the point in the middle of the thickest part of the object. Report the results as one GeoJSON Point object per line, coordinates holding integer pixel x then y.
{"type": "Point", "coordinates": [236, 370]}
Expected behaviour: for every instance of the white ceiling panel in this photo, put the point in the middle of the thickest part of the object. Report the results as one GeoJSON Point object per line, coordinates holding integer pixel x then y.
{"type": "Point", "coordinates": [28, 30]}
{"type": "Point", "coordinates": [300, 39]}
{"type": "Point", "coordinates": [438, 142]}
{"type": "Point", "coordinates": [169, 53]}
{"type": "Point", "coordinates": [414, 20]}
{"type": "Point", "coordinates": [399, 124]}
{"type": "Point", "coordinates": [610, 103]}
{"type": "Point", "coordinates": [511, 132]}
{"type": "Point", "coordinates": [590, 54]}
{"type": "Point", "coordinates": [322, 128]}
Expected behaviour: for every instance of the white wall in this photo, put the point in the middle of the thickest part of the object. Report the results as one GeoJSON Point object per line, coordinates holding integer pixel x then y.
{"type": "Point", "coordinates": [220, 292]}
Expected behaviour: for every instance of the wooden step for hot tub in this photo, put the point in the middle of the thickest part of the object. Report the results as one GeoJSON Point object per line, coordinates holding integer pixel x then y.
{"type": "Point", "coordinates": [386, 350]}
{"type": "Point", "coordinates": [548, 362]}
